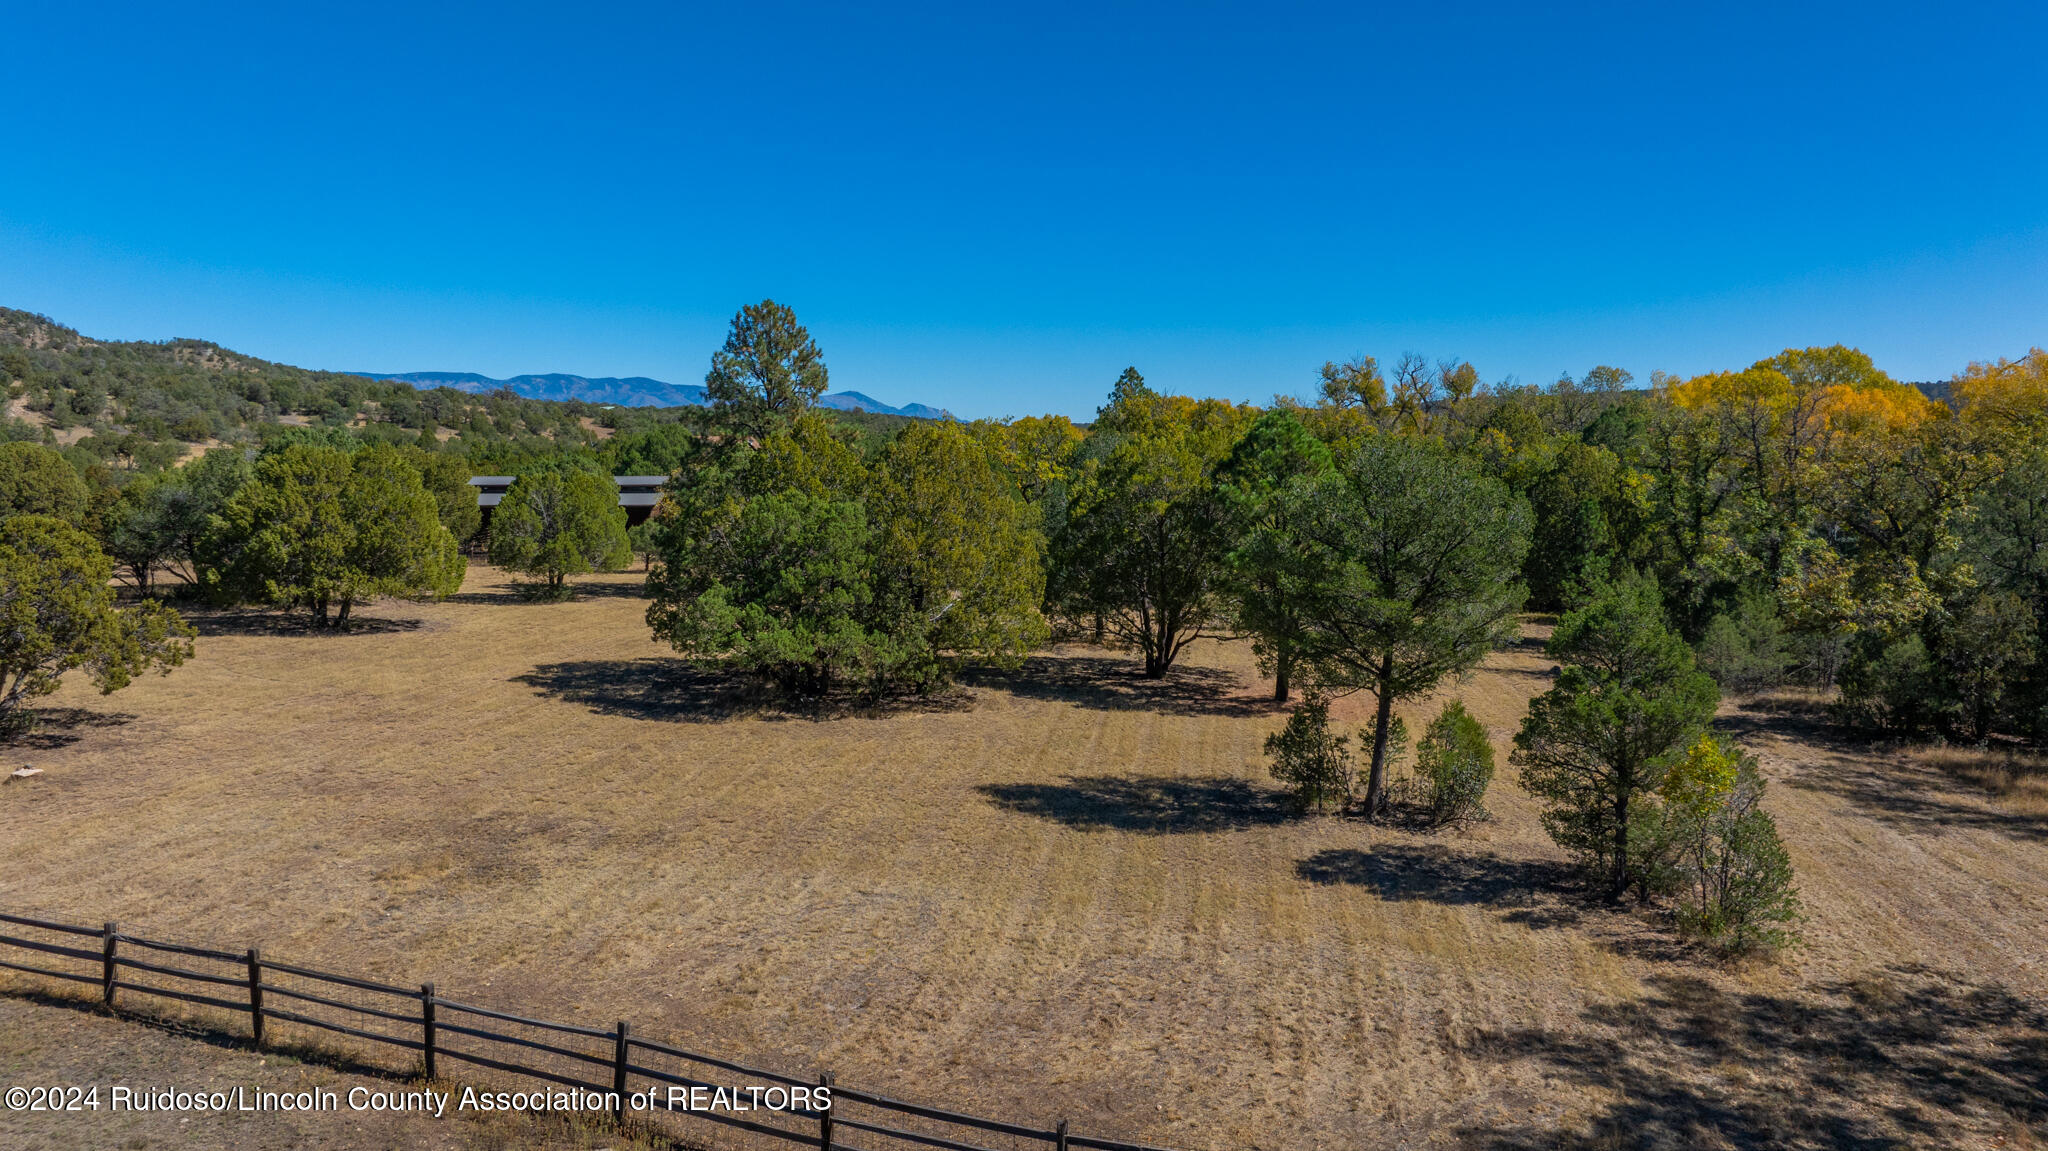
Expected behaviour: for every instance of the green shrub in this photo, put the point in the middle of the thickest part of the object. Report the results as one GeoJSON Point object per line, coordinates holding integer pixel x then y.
{"type": "Point", "coordinates": [58, 615]}
{"type": "Point", "coordinates": [1455, 761]}
{"type": "Point", "coordinates": [1986, 650]}
{"type": "Point", "coordinates": [1725, 859]}
{"type": "Point", "coordinates": [1888, 687]}
{"type": "Point", "coordinates": [1311, 759]}
{"type": "Point", "coordinates": [1745, 650]}
{"type": "Point", "coordinates": [36, 481]}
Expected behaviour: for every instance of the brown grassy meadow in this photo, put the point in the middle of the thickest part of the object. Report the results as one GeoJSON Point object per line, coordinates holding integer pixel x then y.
{"type": "Point", "coordinates": [1065, 891]}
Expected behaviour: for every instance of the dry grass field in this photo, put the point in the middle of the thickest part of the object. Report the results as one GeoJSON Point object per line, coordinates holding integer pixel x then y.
{"type": "Point", "coordinates": [1065, 892]}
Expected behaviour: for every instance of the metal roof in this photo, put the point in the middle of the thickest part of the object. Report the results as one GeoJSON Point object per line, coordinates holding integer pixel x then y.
{"type": "Point", "coordinates": [622, 481]}
{"type": "Point", "coordinates": [634, 491]}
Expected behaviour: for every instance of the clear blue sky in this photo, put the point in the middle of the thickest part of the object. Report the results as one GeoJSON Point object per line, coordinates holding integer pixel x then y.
{"type": "Point", "coordinates": [996, 211]}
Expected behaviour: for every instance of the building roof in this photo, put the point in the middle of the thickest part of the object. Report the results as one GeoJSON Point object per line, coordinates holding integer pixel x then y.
{"type": "Point", "coordinates": [634, 491]}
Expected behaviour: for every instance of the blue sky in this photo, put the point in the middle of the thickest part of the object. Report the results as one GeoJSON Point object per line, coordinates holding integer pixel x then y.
{"type": "Point", "coordinates": [996, 210]}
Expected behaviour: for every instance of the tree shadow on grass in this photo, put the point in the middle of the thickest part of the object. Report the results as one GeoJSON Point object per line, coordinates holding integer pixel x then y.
{"type": "Point", "coordinates": [1407, 873]}
{"type": "Point", "coordinates": [611, 589]}
{"type": "Point", "coordinates": [54, 727]}
{"type": "Point", "coordinates": [1540, 894]}
{"type": "Point", "coordinates": [229, 621]}
{"type": "Point", "coordinates": [1889, 788]}
{"type": "Point", "coordinates": [1904, 1057]}
{"type": "Point", "coordinates": [521, 593]}
{"type": "Point", "coordinates": [1149, 804]}
{"type": "Point", "coordinates": [1108, 683]}
{"type": "Point", "coordinates": [675, 691]}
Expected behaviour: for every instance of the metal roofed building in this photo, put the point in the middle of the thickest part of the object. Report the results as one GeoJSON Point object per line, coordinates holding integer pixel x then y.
{"type": "Point", "coordinates": [637, 494]}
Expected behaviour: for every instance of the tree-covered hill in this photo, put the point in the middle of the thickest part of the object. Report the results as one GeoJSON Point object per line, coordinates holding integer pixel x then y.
{"type": "Point", "coordinates": [142, 405]}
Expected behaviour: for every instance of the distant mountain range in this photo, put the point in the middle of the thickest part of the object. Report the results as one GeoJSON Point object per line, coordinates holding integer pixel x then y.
{"type": "Point", "coordinates": [631, 392]}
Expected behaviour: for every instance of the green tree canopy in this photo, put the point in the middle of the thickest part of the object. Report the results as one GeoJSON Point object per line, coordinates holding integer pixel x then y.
{"type": "Point", "coordinates": [1269, 566]}
{"type": "Point", "coordinates": [1585, 504]}
{"type": "Point", "coordinates": [322, 529]}
{"type": "Point", "coordinates": [36, 481]}
{"type": "Point", "coordinates": [1416, 556]}
{"type": "Point", "coordinates": [1597, 745]}
{"type": "Point", "coordinates": [959, 557]}
{"type": "Point", "coordinates": [57, 614]}
{"type": "Point", "coordinates": [798, 563]}
{"type": "Point", "coordinates": [1311, 759]}
{"type": "Point", "coordinates": [1143, 543]}
{"type": "Point", "coordinates": [446, 478]}
{"type": "Point", "coordinates": [778, 585]}
{"type": "Point", "coordinates": [144, 528]}
{"type": "Point", "coordinates": [1455, 760]}
{"type": "Point", "coordinates": [555, 524]}
{"type": "Point", "coordinates": [768, 372]}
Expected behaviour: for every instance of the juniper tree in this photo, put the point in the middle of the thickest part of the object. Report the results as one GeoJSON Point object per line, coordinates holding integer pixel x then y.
{"type": "Point", "coordinates": [1455, 759]}
{"type": "Point", "coordinates": [36, 481]}
{"type": "Point", "coordinates": [558, 523]}
{"type": "Point", "coordinates": [57, 614]}
{"type": "Point", "coordinates": [321, 528]}
{"type": "Point", "coordinates": [1310, 758]}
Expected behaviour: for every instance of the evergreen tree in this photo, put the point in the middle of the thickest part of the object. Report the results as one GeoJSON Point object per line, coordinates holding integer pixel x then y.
{"type": "Point", "coordinates": [1311, 759]}
{"type": "Point", "coordinates": [318, 528]}
{"type": "Point", "coordinates": [960, 562]}
{"type": "Point", "coordinates": [1455, 762]}
{"type": "Point", "coordinates": [1596, 746]}
{"type": "Point", "coordinates": [1417, 557]}
{"type": "Point", "coordinates": [768, 372]}
{"type": "Point", "coordinates": [35, 481]}
{"type": "Point", "coordinates": [57, 614]}
{"type": "Point", "coordinates": [1143, 544]}
{"type": "Point", "coordinates": [144, 527]}
{"type": "Point", "coordinates": [558, 523]}
{"type": "Point", "coordinates": [1269, 566]}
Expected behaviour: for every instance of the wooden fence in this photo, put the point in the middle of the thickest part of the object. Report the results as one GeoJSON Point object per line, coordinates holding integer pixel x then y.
{"type": "Point", "coordinates": [614, 1063]}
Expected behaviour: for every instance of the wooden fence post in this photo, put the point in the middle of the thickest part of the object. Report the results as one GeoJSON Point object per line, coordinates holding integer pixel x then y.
{"type": "Point", "coordinates": [427, 1026]}
{"type": "Point", "coordinates": [107, 965]}
{"type": "Point", "coordinates": [825, 1113]}
{"type": "Point", "coordinates": [1060, 1136]}
{"type": "Point", "coordinates": [619, 1076]}
{"type": "Point", "coordinates": [255, 997]}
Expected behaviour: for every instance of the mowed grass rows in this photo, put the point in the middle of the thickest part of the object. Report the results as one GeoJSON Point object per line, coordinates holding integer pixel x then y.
{"type": "Point", "coordinates": [1066, 892]}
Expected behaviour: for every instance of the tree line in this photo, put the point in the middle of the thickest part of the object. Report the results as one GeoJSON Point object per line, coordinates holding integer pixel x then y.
{"type": "Point", "coordinates": [1804, 521]}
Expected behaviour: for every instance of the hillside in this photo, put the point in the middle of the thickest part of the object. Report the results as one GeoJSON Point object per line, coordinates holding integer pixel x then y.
{"type": "Point", "coordinates": [131, 406]}
{"type": "Point", "coordinates": [140, 405]}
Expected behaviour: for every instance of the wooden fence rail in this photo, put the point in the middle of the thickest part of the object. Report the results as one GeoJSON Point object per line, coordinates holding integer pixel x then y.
{"type": "Point", "coordinates": [419, 1020]}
